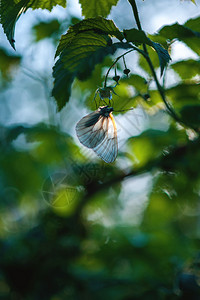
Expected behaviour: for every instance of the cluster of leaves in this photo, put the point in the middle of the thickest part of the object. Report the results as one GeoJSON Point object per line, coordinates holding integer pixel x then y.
{"type": "Point", "coordinates": [83, 46]}
{"type": "Point", "coordinates": [11, 10]}
{"type": "Point", "coordinates": [81, 258]}
{"type": "Point", "coordinates": [86, 44]}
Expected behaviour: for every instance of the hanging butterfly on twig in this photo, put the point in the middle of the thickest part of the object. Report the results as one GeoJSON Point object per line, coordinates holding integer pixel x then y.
{"type": "Point", "coordinates": [98, 132]}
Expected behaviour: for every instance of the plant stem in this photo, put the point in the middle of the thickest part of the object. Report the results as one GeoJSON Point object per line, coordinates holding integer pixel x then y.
{"type": "Point", "coordinates": [118, 58]}
{"type": "Point", "coordinates": [159, 87]}
{"type": "Point", "coordinates": [135, 12]}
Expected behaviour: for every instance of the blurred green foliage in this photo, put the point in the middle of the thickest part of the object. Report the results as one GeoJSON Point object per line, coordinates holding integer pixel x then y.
{"type": "Point", "coordinates": [48, 29]}
{"type": "Point", "coordinates": [8, 64]}
{"type": "Point", "coordinates": [73, 227]}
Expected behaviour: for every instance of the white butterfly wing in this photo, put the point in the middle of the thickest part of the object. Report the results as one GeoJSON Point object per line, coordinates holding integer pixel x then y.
{"type": "Point", "coordinates": [91, 129]}
{"type": "Point", "coordinates": [108, 148]}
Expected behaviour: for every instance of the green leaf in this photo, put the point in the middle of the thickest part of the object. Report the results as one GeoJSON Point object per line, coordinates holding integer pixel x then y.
{"type": "Point", "coordinates": [138, 36]}
{"type": "Point", "coordinates": [187, 69]}
{"type": "Point", "coordinates": [191, 114]}
{"type": "Point", "coordinates": [154, 58]}
{"type": "Point", "coordinates": [98, 24]}
{"type": "Point", "coordinates": [137, 81]}
{"type": "Point", "coordinates": [78, 60]}
{"type": "Point", "coordinates": [193, 24]}
{"type": "Point", "coordinates": [11, 10]}
{"type": "Point", "coordinates": [159, 58]}
{"type": "Point", "coordinates": [85, 46]}
{"type": "Point", "coordinates": [183, 33]}
{"type": "Point", "coordinates": [89, 86]}
{"type": "Point", "coordinates": [95, 8]}
{"type": "Point", "coordinates": [62, 84]}
{"type": "Point", "coordinates": [8, 63]}
{"type": "Point", "coordinates": [9, 14]}
{"type": "Point", "coordinates": [163, 56]}
{"type": "Point", "coordinates": [46, 29]}
{"type": "Point", "coordinates": [151, 143]}
{"type": "Point", "coordinates": [178, 31]}
{"type": "Point", "coordinates": [158, 39]}
{"type": "Point", "coordinates": [183, 94]}
{"type": "Point", "coordinates": [46, 4]}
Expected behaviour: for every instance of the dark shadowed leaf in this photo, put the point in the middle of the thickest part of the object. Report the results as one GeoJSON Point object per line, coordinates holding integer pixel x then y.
{"type": "Point", "coordinates": [163, 56]}
{"type": "Point", "coordinates": [137, 36]}
{"type": "Point", "coordinates": [95, 8]}
{"type": "Point", "coordinates": [62, 84]}
{"type": "Point", "coordinates": [88, 87]}
{"type": "Point", "coordinates": [191, 114]}
{"type": "Point", "coordinates": [11, 10]}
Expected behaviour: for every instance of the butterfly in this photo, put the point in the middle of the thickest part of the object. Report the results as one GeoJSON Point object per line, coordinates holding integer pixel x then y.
{"type": "Point", "coordinates": [98, 132]}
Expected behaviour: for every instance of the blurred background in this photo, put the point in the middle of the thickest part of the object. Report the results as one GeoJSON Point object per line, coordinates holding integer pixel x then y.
{"type": "Point", "coordinates": [72, 226]}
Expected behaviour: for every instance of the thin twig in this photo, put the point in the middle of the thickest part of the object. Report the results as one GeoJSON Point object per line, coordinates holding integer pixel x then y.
{"type": "Point", "coordinates": [118, 58]}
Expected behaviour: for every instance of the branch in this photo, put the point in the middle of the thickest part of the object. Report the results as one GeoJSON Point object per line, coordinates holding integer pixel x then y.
{"type": "Point", "coordinates": [95, 187]}
{"type": "Point", "coordinates": [159, 87]}
{"type": "Point", "coordinates": [167, 163]}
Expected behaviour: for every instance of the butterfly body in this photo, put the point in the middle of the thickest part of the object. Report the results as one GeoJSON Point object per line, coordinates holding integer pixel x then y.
{"type": "Point", "coordinates": [98, 131]}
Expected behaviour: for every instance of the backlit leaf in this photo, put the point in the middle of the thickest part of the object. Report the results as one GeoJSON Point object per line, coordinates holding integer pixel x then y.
{"type": "Point", "coordinates": [193, 24]}
{"type": "Point", "coordinates": [98, 24]}
{"type": "Point", "coordinates": [189, 33]}
{"type": "Point", "coordinates": [95, 8]}
{"type": "Point", "coordinates": [46, 29]}
{"type": "Point", "coordinates": [178, 31]}
{"type": "Point", "coordinates": [46, 4]}
{"type": "Point", "coordinates": [11, 10]}
{"type": "Point", "coordinates": [154, 143]}
{"type": "Point", "coordinates": [183, 66]}
{"type": "Point", "coordinates": [137, 81]}
{"type": "Point", "coordinates": [185, 93]}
